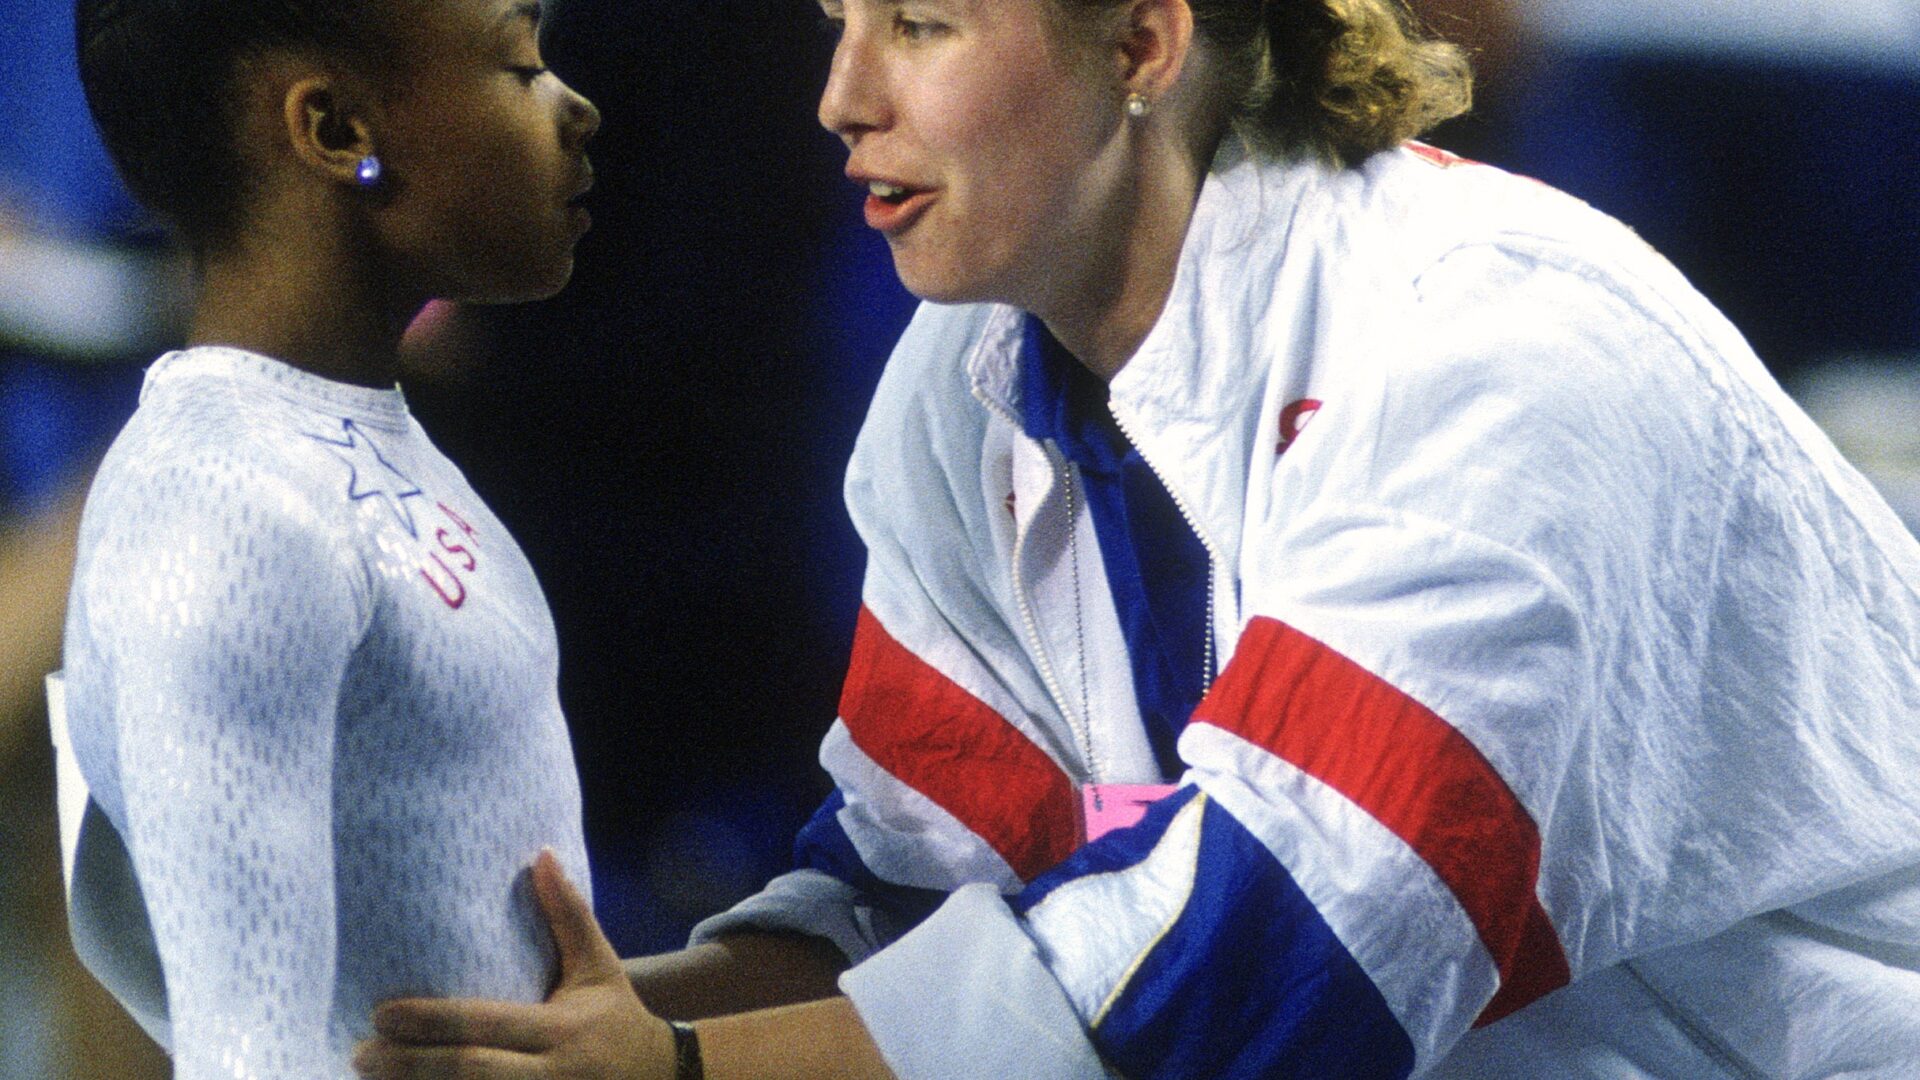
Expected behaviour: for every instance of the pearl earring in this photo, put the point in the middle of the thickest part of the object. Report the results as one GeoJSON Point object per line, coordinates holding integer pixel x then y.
{"type": "Point", "coordinates": [367, 174]}
{"type": "Point", "coordinates": [1138, 105]}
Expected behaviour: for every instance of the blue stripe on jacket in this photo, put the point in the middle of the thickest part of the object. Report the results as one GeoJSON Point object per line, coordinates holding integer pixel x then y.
{"type": "Point", "coordinates": [1248, 981]}
{"type": "Point", "coordinates": [824, 846]}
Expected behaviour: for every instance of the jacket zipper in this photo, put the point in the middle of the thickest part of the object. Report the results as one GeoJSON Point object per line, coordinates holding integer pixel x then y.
{"type": "Point", "coordinates": [1079, 725]}
{"type": "Point", "coordinates": [1213, 553]}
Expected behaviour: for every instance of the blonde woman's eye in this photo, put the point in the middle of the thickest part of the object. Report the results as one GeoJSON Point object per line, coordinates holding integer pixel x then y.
{"type": "Point", "coordinates": [527, 73]}
{"type": "Point", "coordinates": [916, 29]}
{"type": "Point", "coordinates": [832, 27]}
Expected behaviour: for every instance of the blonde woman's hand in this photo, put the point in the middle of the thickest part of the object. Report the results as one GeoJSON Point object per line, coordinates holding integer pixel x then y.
{"type": "Point", "coordinates": [593, 1027]}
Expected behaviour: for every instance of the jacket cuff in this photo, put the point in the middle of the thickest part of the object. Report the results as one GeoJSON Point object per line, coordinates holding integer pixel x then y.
{"type": "Point", "coordinates": [966, 994]}
{"type": "Point", "coordinates": [801, 902]}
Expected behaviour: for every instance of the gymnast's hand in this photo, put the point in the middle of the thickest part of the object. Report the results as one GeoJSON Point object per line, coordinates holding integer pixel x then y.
{"type": "Point", "coordinates": [593, 1025]}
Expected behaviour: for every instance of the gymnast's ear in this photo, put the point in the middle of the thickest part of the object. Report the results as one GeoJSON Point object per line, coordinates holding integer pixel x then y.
{"type": "Point", "coordinates": [327, 133]}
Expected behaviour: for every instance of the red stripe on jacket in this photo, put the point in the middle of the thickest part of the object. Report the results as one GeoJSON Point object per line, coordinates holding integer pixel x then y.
{"type": "Point", "coordinates": [1415, 774]}
{"type": "Point", "coordinates": [948, 745]}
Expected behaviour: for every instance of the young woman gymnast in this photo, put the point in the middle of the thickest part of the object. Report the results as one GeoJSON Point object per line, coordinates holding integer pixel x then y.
{"type": "Point", "coordinates": [310, 678]}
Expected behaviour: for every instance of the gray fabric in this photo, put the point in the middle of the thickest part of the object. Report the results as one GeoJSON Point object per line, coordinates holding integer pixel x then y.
{"type": "Point", "coordinates": [966, 994]}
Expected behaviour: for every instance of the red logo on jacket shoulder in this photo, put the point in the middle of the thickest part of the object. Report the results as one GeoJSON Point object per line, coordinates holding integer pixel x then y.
{"type": "Point", "coordinates": [1433, 155]}
{"type": "Point", "coordinates": [1293, 421]}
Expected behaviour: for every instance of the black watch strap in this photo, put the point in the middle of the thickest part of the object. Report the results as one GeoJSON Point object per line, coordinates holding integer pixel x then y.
{"type": "Point", "coordinates": [686, 1052]}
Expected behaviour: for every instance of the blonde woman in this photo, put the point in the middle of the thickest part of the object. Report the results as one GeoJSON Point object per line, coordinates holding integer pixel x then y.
{"type": "Point", "coordinates": [1533, 682]}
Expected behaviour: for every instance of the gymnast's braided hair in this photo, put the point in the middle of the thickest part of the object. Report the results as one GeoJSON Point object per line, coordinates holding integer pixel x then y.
{"type": "Point", "coordinates": [1337, 79]}
{"type": "Point", "coordinates": [162, 81]}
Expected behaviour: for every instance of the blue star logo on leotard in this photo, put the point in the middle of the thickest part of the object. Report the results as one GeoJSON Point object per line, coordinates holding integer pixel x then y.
{"type": "Point", "coordinates": [371, 476]}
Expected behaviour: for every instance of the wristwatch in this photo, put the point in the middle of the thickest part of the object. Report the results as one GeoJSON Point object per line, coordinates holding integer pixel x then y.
{"type": "Point", "coordinates": [686, 1052]}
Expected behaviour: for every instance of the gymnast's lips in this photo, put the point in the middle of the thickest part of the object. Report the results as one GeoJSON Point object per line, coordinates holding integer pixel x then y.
{"type": "Point", "coordinates": [577, 214]}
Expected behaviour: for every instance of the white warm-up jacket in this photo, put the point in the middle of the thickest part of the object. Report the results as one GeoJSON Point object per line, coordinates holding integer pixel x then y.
{"type": "Point", "coordinates": [1567, 717]}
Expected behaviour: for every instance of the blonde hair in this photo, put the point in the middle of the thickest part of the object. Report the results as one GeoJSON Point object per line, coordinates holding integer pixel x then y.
{"type": "Point", "coordinates": [1336, 79]}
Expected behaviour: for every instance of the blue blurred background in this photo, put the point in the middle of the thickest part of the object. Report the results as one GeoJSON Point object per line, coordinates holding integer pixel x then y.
{"type": "Point", "coordinates": [666, 437]}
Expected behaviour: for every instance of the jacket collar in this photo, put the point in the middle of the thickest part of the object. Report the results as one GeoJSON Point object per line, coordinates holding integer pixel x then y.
{"type": "Point", "coordinates": [1197, 377]}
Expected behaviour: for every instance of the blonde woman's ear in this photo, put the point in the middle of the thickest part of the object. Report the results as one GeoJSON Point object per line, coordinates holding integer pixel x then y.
{"type": "Point", "coordinates": [1154, 48]}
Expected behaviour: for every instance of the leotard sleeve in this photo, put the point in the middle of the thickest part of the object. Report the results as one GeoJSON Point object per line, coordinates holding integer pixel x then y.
{"type": "Point", "coordinates": [226, 610]}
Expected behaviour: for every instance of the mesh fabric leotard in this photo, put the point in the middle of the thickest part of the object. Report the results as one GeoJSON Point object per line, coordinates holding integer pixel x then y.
{"type": "Point", "coordinates": [312, 684]}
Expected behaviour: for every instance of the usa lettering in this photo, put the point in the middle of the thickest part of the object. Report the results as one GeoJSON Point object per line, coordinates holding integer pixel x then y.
{"type": "Point", "coordinates": [455, 557]}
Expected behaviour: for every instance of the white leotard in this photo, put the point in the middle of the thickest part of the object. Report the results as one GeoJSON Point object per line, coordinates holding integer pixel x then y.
{"type": "Point", "coordinates": [312, 685]}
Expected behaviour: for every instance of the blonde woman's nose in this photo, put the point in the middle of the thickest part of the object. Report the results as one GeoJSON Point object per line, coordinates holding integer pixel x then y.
{"type": "Point", "coordinates": [854, 100]}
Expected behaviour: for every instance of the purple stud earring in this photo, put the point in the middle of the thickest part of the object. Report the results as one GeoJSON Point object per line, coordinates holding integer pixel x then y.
{"type": "Point", "coordinates": [367, 173]}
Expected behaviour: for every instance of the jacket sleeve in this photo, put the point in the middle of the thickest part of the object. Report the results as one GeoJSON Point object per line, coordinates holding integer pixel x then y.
{"type": "Point", "coordinates": [222, 612]}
